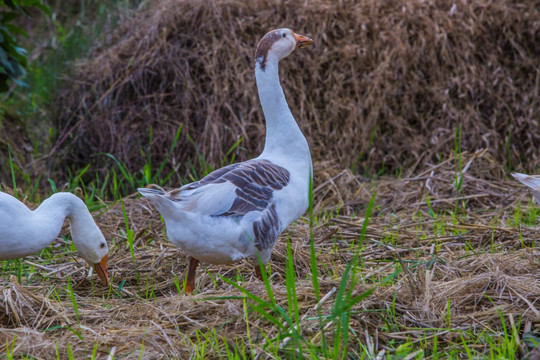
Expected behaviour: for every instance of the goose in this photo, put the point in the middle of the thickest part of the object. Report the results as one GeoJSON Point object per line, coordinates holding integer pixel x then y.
{"type": "Point", "coordinates": [24, 232]}
{"type": "Point", "coordinates": [238, 211]}
{"type": "Point", "coordinates": [532, 181]}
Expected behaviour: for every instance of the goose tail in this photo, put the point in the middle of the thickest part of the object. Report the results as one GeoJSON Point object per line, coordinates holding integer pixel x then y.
{"type": "Point", "coordinates": [531, 181]}
{"type": "Point", "coordinates": [148, 192]}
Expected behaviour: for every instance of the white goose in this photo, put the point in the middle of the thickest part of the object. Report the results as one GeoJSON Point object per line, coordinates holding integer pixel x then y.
{"type": "Point", "coordinates": [24, 232]}
{"type": "Point", "coordinates": [532, 181]}
{"type": "Point", "coordinates": [239, 211]}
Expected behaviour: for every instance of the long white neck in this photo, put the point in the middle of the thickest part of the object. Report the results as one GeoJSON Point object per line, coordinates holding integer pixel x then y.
{"type": "Point", "coordinates": [51, 214]}
{"type": "Point", "coordinates": [282, 132]}
{"type": "Point", "coordinates": [24, 232]}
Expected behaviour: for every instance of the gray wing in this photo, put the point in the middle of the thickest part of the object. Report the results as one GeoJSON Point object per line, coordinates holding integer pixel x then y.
{"type": "Point", "coordinates": [254, 184]}
{"type": "Point", "coordinates": [532, 181]}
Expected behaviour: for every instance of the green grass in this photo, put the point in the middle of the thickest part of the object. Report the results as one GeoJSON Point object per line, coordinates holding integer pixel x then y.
{"type": "Point", "coordinates": [129, 181]}
{"type": "Point", "coordinates": [73, 300]}
{"type": "Point", "coordinates": [289, 340]}
{"type": "Point", "coordinates": [336, 336]}
{"type": "Point", "coordinates": [288, 325]}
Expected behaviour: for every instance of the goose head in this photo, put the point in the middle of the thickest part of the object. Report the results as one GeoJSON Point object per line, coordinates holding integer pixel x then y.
{"type": "Point", "coordinates": [278, 44]}
{"type": "Point", "coordinates": [86, 235]}
{"type": "Point", "coordinates": [92, 247]}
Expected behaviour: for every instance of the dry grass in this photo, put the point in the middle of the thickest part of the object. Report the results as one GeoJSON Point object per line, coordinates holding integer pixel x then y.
{"type": "Point", "coordinates": [383, 90]}
{"type": "Point", "coordinates": [384, 86]}
{"type": "Point", "coordinates": [458, 276]}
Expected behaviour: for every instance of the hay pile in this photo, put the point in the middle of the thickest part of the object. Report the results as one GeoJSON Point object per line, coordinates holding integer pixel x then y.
{"type": "Point", "coordinates": [474, 271]}
{"type": "Point", "coordinates": [385, 85]}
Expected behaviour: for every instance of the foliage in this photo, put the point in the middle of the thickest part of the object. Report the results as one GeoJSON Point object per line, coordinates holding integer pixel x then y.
{"type": "Point", "coordinates": [13, 60]}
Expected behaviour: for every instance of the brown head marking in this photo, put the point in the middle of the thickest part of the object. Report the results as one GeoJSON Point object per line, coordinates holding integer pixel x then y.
{"type": "Point", "coordinates": [264, 46]}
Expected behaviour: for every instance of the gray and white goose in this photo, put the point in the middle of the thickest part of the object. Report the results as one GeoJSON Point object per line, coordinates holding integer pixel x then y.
{"type": "Point", "coordinates": [239, 211]}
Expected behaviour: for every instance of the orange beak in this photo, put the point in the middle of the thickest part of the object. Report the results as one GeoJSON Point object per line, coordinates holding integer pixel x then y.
{"type": "Point", "coordinates": [301, 40]}
{"type": "Point", "coordinates": [101, 270]}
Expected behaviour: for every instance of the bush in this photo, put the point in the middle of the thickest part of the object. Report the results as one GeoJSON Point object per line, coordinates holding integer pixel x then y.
{"type": "Point", "coordinates": [384, 88]}
{"type": "Point", "coordinates": [12, 56]}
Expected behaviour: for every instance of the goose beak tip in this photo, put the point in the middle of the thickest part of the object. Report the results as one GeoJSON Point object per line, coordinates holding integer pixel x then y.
{"type": "Point", "coordinates": [101, 270]}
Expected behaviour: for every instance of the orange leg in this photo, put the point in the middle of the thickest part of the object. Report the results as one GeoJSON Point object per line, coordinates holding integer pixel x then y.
{"type": "Point", "coordinates": [192, 268]}
{"type": "Point", "coordinates": [258, 272]}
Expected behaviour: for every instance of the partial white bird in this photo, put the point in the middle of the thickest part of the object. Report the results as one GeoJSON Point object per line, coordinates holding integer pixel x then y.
{"type": "Point", "coordinates": [24, 232]}
{"type": "Point", "coordinates": [238, 211]}
{"type": "Point", "coordinates": [532, 181]}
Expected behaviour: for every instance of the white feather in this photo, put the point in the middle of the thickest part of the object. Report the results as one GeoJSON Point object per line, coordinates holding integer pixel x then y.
{"type": "Point", "coordinates": [532, 181]}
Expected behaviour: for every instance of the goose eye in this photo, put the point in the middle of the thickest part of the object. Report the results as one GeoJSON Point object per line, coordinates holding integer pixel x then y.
{"type": "Point", "coordinates": [102, 245]}
{"type": "Point", "coordinates": [284, 35]}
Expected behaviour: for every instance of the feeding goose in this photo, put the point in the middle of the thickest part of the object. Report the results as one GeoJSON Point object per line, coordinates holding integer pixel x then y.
{"type": "Point", "coordinates": [532, 181]}
{"type": "Point", "coordinates": [239, 211]}
{"type": "Point", "coordinates": [24, 232]}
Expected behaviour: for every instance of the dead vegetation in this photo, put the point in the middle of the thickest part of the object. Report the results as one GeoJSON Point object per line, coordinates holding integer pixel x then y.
{"type": "Point", "coordinates": [385, 87]}
{"type": "Point", "coordinates": [458, 276]}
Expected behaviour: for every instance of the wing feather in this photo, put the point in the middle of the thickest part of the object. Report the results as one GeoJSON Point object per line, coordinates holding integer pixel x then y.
{"type": "Point", "coordinates": [267, 229]}
{"type": "Point", "coordinates": [532, 181]}
{"type": "Point", "coordinates": [236, 190]}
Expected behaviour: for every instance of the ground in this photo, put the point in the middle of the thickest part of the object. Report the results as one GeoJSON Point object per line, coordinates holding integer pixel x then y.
{"type": "Point", "coordinates": [433, 267]}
